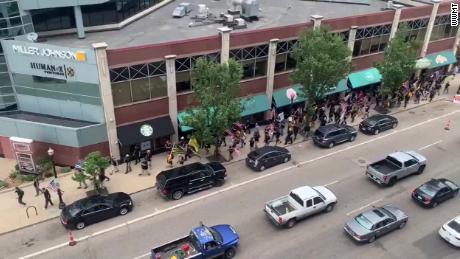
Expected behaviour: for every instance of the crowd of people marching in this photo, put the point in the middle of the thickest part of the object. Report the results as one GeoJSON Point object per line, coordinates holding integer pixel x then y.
{"type": "Point", "coordinates": [341, 109]}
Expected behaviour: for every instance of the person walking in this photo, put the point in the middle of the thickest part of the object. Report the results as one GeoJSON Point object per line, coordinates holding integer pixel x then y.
{"type": "Point", "coordinates": [20, 194]}
{"type": "Point", "coordinates": [446, 88]}
{"type": "Point", "coordinates": [144, 167]}
{"type": "Point", "coordinates": [47, 196]}
{"type": "Point", "coordinates": [406, 99]}
{"type": "Point", "coordinates": [137, 155]}
{"type": "Point", "coordinates": [288, 136]}
{"type": "Point", "coordinates": [458, 91]}
{"type": "Point", "coordinates": [114, 163]}
{"type": "Point", "coordinates": [307, 130]}
{"type": "Point", "coordinates": [148, 158]}
{"type": "Point", "coordinates": [432, 94]}
{"type": "Point", "coordinates": [102, 176]}
{"type": "Point", "coordinates": [80, 177]}
{"type": "Point", "coordinates": [37, 186]}
{"type": "Point", "coordinates": [295, 130]}
{"type": "Point", "coordinates": [353, 112]}
{"type": "Point", "coordinates": [277, 136]}
{"type": "Point", "coordinates": [170, 159]}
{"type": "Point", "coordinates": [231, 149]}
{"type": "Point", "coordinates": [127, 161]}
{"type": "Point", "coordinates": [252, 143]}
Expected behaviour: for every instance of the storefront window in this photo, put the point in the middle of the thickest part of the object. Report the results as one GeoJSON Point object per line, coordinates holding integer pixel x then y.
{"type": "Point", "coordinates": [183, 81]}
{"type": "Point", "coordinates": [158, 87]}
{"type": "Point", "coordinates": [140, 89]}
{"type": "Point", "coordinates": [253, 60]}
{"type": "Point", "coordinates": [184, 70]}
{"type": "Point", "coordinates": [371, 40]}
{"type": "Point", "coordinates": [416, 29]}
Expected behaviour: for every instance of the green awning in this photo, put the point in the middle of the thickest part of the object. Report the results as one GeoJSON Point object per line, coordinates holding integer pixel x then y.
{"type": "Point", "coordinates": [254, 104]}
{"type": "Point", "coordinates": [364, 77]}
{"type": "Point", "coordinates": [181, 119]}
{"type": "Point", "coordinates": [282, 100]}
{"type": "Point", "coordinates": [442, 58]}
{"type": "Point", "coordinates": [341, 87]}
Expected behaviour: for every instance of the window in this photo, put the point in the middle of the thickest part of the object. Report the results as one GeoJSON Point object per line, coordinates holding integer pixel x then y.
{"type": "Point", "coordinates": [211, 245]}
{"type": "Point", "coordinates": [442, 28]}
{"type": "Point", "coordinates": [309, 203]}
{"type": "Point", "coordinates": [317, 200]}
{"type": "Point", "coordinates": [410, 163]}
{"type": "Point", "coordinates": [416, 29]}
{"type": "Point", "coordinates": [284, 56]}
{"type": "Point", "coordinates": [253, 60]}
{"type": "Point", "coordinates": [184, 70]}
{"type": "Point", "coordinates": [296, 198]}
{"type": "Point", "coordinates": [371, 39]}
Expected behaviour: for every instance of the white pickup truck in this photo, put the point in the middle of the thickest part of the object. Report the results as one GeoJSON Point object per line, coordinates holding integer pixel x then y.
{"type": "Point", "coordinates": [299, 204]}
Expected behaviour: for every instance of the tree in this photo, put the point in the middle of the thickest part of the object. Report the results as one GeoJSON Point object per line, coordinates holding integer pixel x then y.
{"type": "Point", "coordinates": [322, 59]}
{"type": "Point", "coordinates": [398, 65]}
{"type": "Point", "coordinates": [216, 88]}
{"type": "Point", "coordinates": [94, 164]}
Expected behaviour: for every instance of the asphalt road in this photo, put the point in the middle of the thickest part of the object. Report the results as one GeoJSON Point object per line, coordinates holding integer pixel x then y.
{"type": "Point", "coordinates": [241, 200]}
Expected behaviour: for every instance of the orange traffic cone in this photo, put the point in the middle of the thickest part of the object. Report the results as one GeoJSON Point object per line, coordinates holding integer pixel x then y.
{"type": "Point", "coordinates": [72, 240]}
{"type": "Point", "coordinates": [448, 125]}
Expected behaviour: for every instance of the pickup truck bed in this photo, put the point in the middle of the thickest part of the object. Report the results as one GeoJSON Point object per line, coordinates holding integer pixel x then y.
{"type": "Point", "coordinates": [168, 250]}
{"type": "Point", "coordinates": [384, 167]}
{"type": "Point", "coordinates": [283, 208]}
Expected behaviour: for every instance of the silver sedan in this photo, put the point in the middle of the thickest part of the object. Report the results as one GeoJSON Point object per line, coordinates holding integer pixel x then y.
{"type": "Point", "coordinates": [369, 225]}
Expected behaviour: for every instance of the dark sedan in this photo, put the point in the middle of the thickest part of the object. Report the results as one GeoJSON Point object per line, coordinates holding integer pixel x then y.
{"type": "Point", "coordinates": [435, 191]}
{"type": "Point", "coordinates": [378, 123]}
{"type": "Point", "coordinates": [266, 157]}
{"type": "Point", "coordinates": [94, 209]}
{"type": "Point", "coordinates": [333, 134]}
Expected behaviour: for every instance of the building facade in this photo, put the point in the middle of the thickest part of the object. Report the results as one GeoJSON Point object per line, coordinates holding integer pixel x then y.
{"type": "Point", "coordinates": [143, 91]}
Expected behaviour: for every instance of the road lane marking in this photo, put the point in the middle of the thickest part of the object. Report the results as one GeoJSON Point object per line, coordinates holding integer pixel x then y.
{"type": "Point", "coordinates": [432, 144]}
{"type": "Point", "coordinates": [142, 256]}
{"type": "Point", "coordinates": [226, 189]}
{"type": "Point", "coordinates": [331, 183]}
{"type": "Point", "coordinates": [362, 207]}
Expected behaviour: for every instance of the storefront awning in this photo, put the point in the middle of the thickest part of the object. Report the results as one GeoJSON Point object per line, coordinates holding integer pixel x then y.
{"type": "Point", "coordinates": [254, 104]}
{"type": "Point", "coordinates": [341, 87]}
{"type": "Point", "coordinates": [281, 99]}
{"type": "Point", "coordinates": [440, 59]}
{"type": "Point", "coordinates": [365, 77]}
{"type": "Point", "coordinates": [143, 131]}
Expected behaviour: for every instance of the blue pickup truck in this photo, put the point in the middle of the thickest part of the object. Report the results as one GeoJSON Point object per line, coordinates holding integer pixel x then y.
{"type": "Point", "coordinates": [202, 243]}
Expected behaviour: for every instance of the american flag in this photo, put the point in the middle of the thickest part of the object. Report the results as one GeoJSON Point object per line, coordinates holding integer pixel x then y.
{"type": "Point", "coordinates": [54, 185]}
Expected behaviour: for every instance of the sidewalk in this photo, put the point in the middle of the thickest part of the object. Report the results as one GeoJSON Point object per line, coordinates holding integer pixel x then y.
{"type": "Point", "coordinates": [13, 216]}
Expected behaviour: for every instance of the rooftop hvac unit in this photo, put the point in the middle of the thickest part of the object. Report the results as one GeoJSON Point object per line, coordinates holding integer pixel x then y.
{"type": "Point", "coordinates": [202, 11]}
{"type": "Point", "coordinates": [250, 9]}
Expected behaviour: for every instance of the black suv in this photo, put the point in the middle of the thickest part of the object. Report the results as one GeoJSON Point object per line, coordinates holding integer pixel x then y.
{"type": "Point", "coordinates": [176, 182]}
{"type": "Point", "coordinates": [94, 209]}
{"type": "Point", "coordinates": [332, 134]}
{"type": "Point", "coordinates": [266, 157]}
{"type": "Point", "coordinates": [435, 191]}
{"type": "Point", "coordinates": [378, 123]}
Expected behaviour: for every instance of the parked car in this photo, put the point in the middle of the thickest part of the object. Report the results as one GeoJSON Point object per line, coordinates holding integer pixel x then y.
{"type": "Point", "coordinates": [203, 242]}
{"type": "Point", "coordinates": [435, 191]}
{"type": "Point", "coordinates": [95, 208]}
{"type": "Point", "coordinates": [266, 157]}
{"type": "Point", "coordinates": [451, 231]}
{"type": "Point", "coordinates": [396, 166]}
{"type": "Point", "coordinates": [299, 204]}
{"type": "Point", "coordinates": [332, 134]}
{"type": "Point", "coordinates": [369, 225]}
{"type": "Point", "coordinates": [378, 123]}
{"type": "Point", "coordinates": [176, 182]}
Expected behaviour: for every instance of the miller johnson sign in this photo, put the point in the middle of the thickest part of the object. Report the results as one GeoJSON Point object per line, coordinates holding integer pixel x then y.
{"type": "Point", "coordinates": [56, 70]}
{"type": "Point", "coordinates": [47, 52]}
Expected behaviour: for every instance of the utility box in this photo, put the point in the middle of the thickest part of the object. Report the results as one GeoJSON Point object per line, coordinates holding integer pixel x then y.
{"type": "Point", "coordinates": [182, 10]}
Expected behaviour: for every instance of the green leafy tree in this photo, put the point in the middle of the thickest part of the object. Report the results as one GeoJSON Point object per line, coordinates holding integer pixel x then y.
{"type": "Point", "coordinates": [94, 164]}
{"type": "Point", "coordinates": [322, 59]}
{"type": "Point", "coordinates": [398, 65]}
{"type": "Point", "coordinates": [216, 89]}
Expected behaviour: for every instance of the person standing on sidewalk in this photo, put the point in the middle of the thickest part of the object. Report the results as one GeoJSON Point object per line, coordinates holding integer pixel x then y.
{"type": "Point", "coordinates": [288, 136]}
{"type": "Point", "coordinates": [114, 163]}
{"type": "Point", "coordinates": [37, 186]}
{"type": "Point", "coordinates": [148, 157]}
{"type": "Point", "coordinates": [144, 167]}
{"type": "Point", "coordinates": [20, 193]}
{"type": "Point", "coordinates": [251, 143]}
{"type": "Point", "coordinates": [137, 155]}
{"type": "Point", "coordinates": [295, 130]}
{"type": "Point", "coordinates": [231, 149]}
{"type": "Point", "coordinates": [102, 176]}
{"type": "Point", "coordinates": [128, 163]}
{"type": "Point", "coordinates": [47, 196]}
{"type": "Point", "coordinates": [446, 88]}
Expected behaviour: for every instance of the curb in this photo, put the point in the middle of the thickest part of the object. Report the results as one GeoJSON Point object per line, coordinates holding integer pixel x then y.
{"type": "Point", "coordinates": [224, 163]}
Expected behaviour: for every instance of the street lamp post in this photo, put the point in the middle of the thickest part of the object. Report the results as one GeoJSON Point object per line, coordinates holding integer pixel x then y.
{"type": "Point", "coordinates": [59, 192]}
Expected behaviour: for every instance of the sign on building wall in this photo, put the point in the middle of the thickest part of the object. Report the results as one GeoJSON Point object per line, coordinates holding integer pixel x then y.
{"type": "Point", "coordinates": [46, 60]}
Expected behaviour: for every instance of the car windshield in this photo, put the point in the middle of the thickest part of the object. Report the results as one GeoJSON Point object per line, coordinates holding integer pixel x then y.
{"type": "Point", "coordinates": [73, 210]}
{"type": "Point", "coordinates": [451, 185]}
{"type": "Point", "coordinates": [296, 198]}
{"type": "Point", "coordinates": [216, 235]}
{"type": "Point", "coordinates": [428, 190]}
{"type": "Point", "coordinates": [363, 221]}
{"type": "Point", "coordinates": [455, 225]}
{"type": "Point", "coordinates": [253, 155]}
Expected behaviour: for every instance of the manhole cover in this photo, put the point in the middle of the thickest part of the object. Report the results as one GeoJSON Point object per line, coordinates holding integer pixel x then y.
{"type": "Point", "coordinates": [361, 161]}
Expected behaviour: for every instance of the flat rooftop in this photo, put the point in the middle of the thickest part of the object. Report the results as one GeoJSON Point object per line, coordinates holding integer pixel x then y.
{"type": "Point", "coordinates": [159, 26]}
